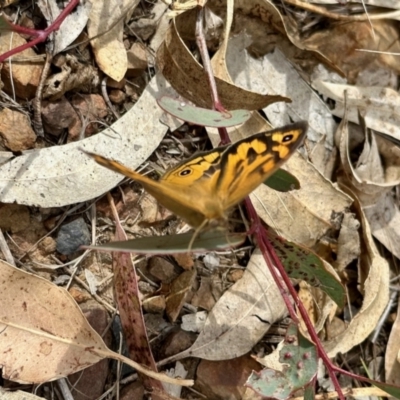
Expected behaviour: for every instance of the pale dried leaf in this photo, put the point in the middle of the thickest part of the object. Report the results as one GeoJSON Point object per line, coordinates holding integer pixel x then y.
{"type": "Point", "coordinates": [60, 175]}
{"type": "Point", "coordinates": [378, 3]}
{"type": "Point", "coordinates": [178, 372]}
{"type": "Point", "coordinates": [241, 316]}
{"type": "Point", "coordinates": [374, 188]}
{"type": "Point", "coordinates": [274, 74]}
{"type": "Point", "coordinates": [348, 246]}
{"type": "Point", "coordinates": [374, 283]}
{"type": "Point", "coordinates": [71, 27]}
{"type": "Point", "coordinates": [305, 215]}
{"type": "Point", "coordinates": [44, 335]}
{"type": "Point", "coordinates": [18, 395]}
{"type": "Point", "coordinates": [384, 218]}
{"type": "Point", "coordinates": [379, 106]}
{"type": "Point", "coordinates": [392, 353]}
{"type": "Point", "coordinates": [272, 359]}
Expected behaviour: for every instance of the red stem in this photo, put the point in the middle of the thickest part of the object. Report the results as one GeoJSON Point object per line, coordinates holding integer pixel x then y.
{"type": "Point", "coordinates": [273, 261]}
{"type": "Point", "coordinates": [41, 35]}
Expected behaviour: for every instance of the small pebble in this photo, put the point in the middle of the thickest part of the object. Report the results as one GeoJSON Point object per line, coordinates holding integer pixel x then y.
{"type": "Point", "coordinates": [71, 236]}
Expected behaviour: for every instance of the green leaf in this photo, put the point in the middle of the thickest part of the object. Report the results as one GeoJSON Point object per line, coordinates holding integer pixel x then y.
{"type": "Point", "coordinates": [202, 116]}
{"type": "Point", "coordinates": [301, 263]}
{"type": "Point", "coordinates": [4, 24]}
{"type": "Point", "coordinates": [390, 389]}
{"type": "Point", "coordinates": [309, 393]}
{"type": "Point", "coordinates": [210, 240]}
{"type": "Point", "coordinates": [283, 181]}
{"type": "Point", "coordinates": [299, 359]}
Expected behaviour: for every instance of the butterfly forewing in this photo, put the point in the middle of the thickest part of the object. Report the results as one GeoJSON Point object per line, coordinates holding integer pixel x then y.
{"type": "Point", "coordinates": [200, 166]}
{"type": "Point", "coordinates": [206, 185]}
{"type": "Point", "coordinates": [248, 163]}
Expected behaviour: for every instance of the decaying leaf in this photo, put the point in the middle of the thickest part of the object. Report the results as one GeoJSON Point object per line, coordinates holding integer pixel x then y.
{"type": "Point", "coordinates": [130, 311]}
{"type": "Point", "coordinates": [187, 77]}
{"type": "Point", "coordinates": [374, 285]}
{"type": "Point", "coordinates": [44, 334]}
{"type": "Point", "coordinates": [373, 175]}
{"type": "Point", "coordinates": [241, 316]}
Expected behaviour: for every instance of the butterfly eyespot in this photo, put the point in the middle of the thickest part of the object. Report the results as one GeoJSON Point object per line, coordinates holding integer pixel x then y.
{"type": "Point", "coordinates": [287, 138]}
{"type": "Point", "coordinates": [185, 172]}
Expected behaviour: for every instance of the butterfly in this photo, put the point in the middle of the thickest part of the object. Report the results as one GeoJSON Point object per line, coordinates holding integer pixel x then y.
{"type": "Point", "coordinates": [204, 187]}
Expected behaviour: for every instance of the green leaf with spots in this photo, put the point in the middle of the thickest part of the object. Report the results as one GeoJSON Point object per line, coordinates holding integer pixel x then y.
{"type": "Point", "coordinates": [301, 263]}
{"type": "Point", "coordinates": [299, 360]}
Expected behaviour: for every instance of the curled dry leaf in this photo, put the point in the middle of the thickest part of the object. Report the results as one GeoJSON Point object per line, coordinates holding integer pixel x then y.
{"type": "Point", "coordinates": [61, 175]}
{"type": "Point", "coordinates": [340, 44]}
{"type": "Point", "coordinates": [187, 77]}
{"type": "Point", "coordinates": [392, 354]}
{"type": "Point", "coordinates": [372, 178]}
{"type": "Point", "coordinates": [374, 284]}
{"type": "Point", "coordinates": [241, 316]}
{"type": "Point", "coordinates": [379, 106]}
{"type": "Point", "coordinates": [73, 75]}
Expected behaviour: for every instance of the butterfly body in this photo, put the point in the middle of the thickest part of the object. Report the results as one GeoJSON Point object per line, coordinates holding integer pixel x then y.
{"type": "Point", "coordinates": [202, 188]}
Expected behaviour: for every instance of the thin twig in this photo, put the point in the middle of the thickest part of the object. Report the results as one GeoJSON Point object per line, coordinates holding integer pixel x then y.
{"type": "Point", "coordinates": [37, 101]}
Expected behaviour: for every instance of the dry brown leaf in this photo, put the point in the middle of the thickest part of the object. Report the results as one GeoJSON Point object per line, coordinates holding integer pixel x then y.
{"type": "Point", "coordinates": [374, 284]}
{"type": "Point", "coordinates": [376, 172]}
{"type": "Point", "coordinates": [340, 44]}
{"type": "Point", "coordinates": [180, 287]}
{"type": "Point", "coordinates": [379, 106]}
{"type": "Point", "coordinates": [109, 50]}
{"type": "Point", "coordinates": [44, 335]}
{"type": "Point", "coordinates": [187, 77]}
{"type": "Point", "coordinates": [305, 215]}
{"type": "Point", "coordinates": [241, 316]}
{"type": "Point", "coordinates": [392, 354]}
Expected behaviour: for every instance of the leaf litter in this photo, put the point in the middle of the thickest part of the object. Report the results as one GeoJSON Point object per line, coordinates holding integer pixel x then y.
{"type": "Point", "coordinates": [334, 213]}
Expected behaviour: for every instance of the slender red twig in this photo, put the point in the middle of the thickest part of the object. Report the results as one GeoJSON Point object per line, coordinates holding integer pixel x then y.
{"type": "Point", "coordinates": [40, 35]}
